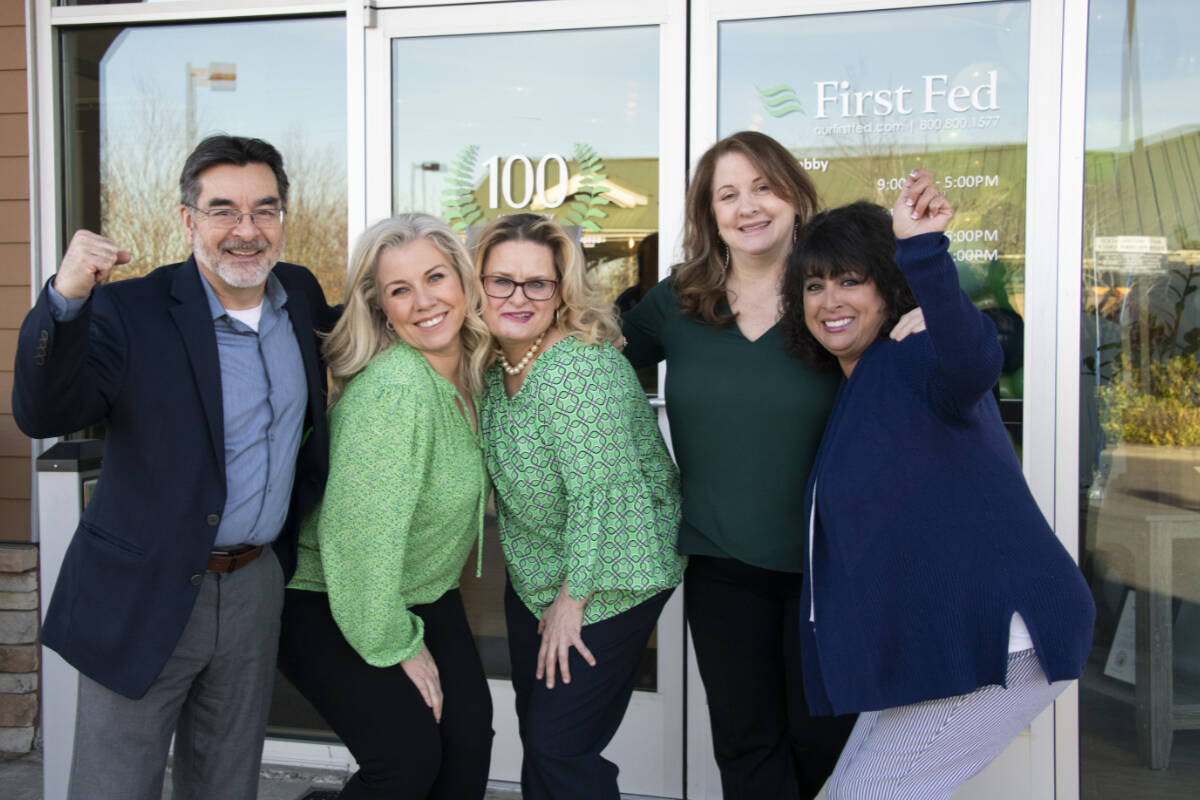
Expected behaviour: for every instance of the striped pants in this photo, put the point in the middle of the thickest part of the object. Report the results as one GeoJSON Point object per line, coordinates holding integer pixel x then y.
{"type": "Point", "coordinates": [927, 750]}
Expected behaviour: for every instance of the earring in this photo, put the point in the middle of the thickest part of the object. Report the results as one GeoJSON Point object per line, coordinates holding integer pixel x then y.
{"type": "Point", "coordinates": [556, 308]}
{"type": "Point", "coordinates": [796, 230]}
{"type": "Point", "coordinates": [387, 323]}
{"type": "Point", "coordinates": [725, 245]}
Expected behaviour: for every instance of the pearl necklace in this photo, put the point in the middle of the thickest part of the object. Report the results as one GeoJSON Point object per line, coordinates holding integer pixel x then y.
{"type": "Point", "coordinates": [510, 369]}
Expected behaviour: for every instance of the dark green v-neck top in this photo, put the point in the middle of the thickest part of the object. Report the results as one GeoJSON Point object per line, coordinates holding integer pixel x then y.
{"type": "Point", "coordinates": [745, 419]}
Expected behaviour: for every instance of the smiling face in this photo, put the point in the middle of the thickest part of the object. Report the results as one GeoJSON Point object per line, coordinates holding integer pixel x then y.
{"type": "Point", "coordinates": [240, 258]}
{"type": "Point", "coordinates": [845, 314]}
{"type": "Point", "coordinates": [422, 297]}
{"type": "Point", "coordinates": [751, 218]}
{"type": "Point", "coordinates": [516, 321]}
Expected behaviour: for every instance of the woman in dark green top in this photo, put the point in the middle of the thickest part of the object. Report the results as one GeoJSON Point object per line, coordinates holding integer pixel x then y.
{"type": "Point", "coordinates": [746, 420]}
{"type": "Point", "coordinates": [587, 500]}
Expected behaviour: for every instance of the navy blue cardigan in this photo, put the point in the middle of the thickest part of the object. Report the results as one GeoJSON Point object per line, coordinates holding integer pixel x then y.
{"type": "Point", "coordinates": [927, 538]}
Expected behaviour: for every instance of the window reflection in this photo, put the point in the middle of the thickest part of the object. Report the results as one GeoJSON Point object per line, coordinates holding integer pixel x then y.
{"type": "Point", "coordinates": [496, 131]}
{"type": "Point", "coordinates": [137, 99]}
{"type": "Point", "coordinates": [1140, 402]}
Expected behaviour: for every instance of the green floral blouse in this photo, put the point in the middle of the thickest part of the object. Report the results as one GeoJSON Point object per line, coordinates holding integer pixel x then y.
{"type": "Point", "coordinates": [403, 505]}
{"type": "Point", "coordinates": [585, 487]}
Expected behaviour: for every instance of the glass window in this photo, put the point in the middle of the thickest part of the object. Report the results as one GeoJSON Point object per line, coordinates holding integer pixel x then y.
{"type": "Point", "coordinates": [1140, 401]}
{"type": "Point", "coordinates": [862, 98]}
{"type": "Point", "coordinates": [541, 130]}
{"type": "Point", "coordinates": [137, 99]}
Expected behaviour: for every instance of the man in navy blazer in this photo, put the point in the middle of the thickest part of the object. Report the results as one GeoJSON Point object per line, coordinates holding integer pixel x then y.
{"type": "Point", "coordinates": [209, 379]}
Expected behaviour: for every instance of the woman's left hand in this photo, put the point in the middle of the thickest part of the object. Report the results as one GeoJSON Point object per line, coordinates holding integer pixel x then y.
{"type": "Point", "coordinates": [560, 629]}
{"type": "Point", "coordinates": [920, 208]}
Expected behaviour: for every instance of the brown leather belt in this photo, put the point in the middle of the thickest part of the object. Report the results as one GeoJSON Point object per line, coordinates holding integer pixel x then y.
{"type": "Point", "coordinates": [229, 560]}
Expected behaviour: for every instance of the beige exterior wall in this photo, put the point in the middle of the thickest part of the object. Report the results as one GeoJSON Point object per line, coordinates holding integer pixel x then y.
{"type": "Point", "coordinates": [15, 475]}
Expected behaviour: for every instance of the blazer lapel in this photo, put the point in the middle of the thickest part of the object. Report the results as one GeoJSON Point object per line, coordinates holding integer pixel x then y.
{"type": "Point", "coordinates": [194, 320]}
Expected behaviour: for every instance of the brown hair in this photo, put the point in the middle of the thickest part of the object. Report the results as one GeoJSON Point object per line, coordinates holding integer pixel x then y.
{"type": "Point", "coordinates": [699, 280]}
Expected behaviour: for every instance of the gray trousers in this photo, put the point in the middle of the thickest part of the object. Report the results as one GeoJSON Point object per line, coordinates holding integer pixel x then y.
{"type": "Point", "coordinates": [927, 750]}
{"type": "Point", "coordinates": [213, 694]}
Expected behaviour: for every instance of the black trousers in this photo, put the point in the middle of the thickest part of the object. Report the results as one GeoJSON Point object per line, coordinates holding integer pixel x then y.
{"type": "Point", "coordinates": [403, 754]}
{"type": "Point", "coordinates": [745, 625]}
{"type": "Point", "coordinates": [564, 729]}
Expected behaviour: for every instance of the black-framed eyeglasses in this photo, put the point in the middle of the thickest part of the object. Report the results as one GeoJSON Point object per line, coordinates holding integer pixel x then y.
{"type": "Point", "coordinates": [536, 289]}
{"type": "Point", "coordinates": [261, 218]}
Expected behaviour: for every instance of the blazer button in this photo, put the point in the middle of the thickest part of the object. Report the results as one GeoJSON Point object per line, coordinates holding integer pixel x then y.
{"type": "Point", "coordinates": [213, 519]}
{"type": "Point", "coordinates": [195, 580]}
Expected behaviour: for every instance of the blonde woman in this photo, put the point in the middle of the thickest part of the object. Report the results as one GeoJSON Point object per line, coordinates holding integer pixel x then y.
{"type": "Point", "coordinates": [374, 632]}
{"type": "Point", "coordinates": [587, 499]}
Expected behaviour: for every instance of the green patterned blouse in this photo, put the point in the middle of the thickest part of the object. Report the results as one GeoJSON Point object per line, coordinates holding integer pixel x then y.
{"type": "Point", "coordinates": [402, 507]}
{"type": "Point", "coordinates": [585, 487]}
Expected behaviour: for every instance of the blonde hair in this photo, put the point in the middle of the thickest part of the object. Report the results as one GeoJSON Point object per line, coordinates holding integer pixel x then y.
{"type": "Point", "coordinates": [362, 332]}
{"type": "Point", "coordinates": [582, 311]}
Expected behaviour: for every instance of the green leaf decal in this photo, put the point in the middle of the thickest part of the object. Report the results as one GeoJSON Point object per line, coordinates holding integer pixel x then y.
{"type": "Point", "coordinates": [779, 101]}
{"type": "Point", "coordinates": [584, 206]}
{"type": "Point", "coordinates": [458, 204]}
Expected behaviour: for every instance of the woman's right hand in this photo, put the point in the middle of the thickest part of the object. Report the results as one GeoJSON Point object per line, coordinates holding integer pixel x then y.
{"type": "Point", "coordinates": [423, 672]}
{"type": "Point", "coordinates": [920, 208]}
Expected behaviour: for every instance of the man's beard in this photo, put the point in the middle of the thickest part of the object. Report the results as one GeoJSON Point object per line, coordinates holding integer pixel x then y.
{"type": "Point", "coordinates": [239, 276]}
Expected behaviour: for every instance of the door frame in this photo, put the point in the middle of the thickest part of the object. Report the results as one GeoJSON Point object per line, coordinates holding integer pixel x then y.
{"type": "Point", "coordinates": [655, 721]}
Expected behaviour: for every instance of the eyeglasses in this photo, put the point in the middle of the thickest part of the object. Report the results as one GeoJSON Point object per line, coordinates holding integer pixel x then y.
{"type": "Point", "coordinates": [263, 218]}
{"type": "Point", "coordinates": [537, 289]}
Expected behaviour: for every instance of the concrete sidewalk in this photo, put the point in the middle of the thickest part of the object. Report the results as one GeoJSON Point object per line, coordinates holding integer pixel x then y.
{"type": "Point", "coordinates": [21, 779]}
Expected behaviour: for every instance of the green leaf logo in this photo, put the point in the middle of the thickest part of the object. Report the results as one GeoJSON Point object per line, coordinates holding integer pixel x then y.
{"type": "Point", "coordinates": [585, 206]}
{"type": "Point", "coordinates": [458, 199]}
{"type": "Point", "coordinates": [779, 101]}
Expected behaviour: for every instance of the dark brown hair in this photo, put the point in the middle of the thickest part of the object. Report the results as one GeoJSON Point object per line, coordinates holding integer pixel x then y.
{"type": "Point", "coordinates": [236, 150]}
{"type": "Point", "coordinates": [700, 280]}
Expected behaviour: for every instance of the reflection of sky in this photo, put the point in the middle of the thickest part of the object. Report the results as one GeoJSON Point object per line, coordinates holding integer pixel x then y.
{"type": "Point", "coordinates": [1168, 58]}
{"type": "Point", "coordinates": [525, 94]}
{"type": "Point", "coordinates": [291, 80]}
{"type": "Point", "coordinates": [876, 50]}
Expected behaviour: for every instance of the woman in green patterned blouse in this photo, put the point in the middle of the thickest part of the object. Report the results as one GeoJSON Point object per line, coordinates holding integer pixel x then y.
{"type": "Point", "coordinates": [587, 499]}
{"type": "Point", "coordinates": [374, 632]}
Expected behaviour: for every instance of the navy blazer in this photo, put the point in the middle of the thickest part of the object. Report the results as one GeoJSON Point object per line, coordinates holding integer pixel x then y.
{"type": "Point", "coordinates": [926, 536]}
{"type": "Point", "coordinates": [142, 357]}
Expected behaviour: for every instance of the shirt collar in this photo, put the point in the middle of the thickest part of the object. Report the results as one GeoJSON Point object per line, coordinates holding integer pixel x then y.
{"type": "Point", "coordinates": [274, 297]}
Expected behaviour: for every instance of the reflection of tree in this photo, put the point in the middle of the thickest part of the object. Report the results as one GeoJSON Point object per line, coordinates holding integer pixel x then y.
{"type": "Point", "coordinates": [139, 198]}
{"type": "Point", "coordinates": [316, 225]}
{"type": "Point", "coordinates": [139, 189]}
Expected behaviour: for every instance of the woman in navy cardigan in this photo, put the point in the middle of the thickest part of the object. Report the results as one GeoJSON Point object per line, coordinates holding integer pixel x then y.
{"type": "Point", "coordinates": [939, 601]}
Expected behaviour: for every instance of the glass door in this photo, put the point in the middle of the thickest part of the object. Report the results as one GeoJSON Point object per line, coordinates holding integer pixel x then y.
{"type": "Point", "coordinates": [861, 93]}
{"type": "Point", "coordinates": [558, 108]}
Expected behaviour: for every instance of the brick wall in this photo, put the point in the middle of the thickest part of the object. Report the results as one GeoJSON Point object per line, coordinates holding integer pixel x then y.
{"type": "Point", "coordinates": [15, 463]}
{"type": "Point", "coordinates": [18, 647]}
